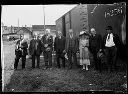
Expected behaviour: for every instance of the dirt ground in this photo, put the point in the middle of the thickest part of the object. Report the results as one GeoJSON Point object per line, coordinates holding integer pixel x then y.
{"type": "Point", "coordinates": [59, 80]}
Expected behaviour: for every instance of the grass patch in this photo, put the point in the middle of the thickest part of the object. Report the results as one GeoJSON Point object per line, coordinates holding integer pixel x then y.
{"type": "Point", "coordinates": [38, 80]}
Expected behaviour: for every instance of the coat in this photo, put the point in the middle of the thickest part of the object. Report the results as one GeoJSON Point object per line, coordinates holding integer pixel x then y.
{"type": "Point", "coordinates": [95, 43]}
{"type": "Point", "coordinates": [75, 48]}
{"type": "Point", "coordinates": [116, 40]}
{"type": "Point", "coordinates": [59, 44]}
{"type": "Point", "coordinates": [49, 41]}
{"type": "Point", "coordinates": [23, 48]}
{"type": "Point", "coordinates": [33, 45]}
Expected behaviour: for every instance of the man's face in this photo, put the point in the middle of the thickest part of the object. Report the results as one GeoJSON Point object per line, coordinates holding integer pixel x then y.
{"type": "Point", "coordinates": [93, 32]}
{"type": "Point", "coordinates": [108, 31]}
{"type": "Point", "coordinates": [71, 32]}
{"type": "Point", "coordinates": [59, 33]}
{"type": "Point", "coordinates": [47, 32]}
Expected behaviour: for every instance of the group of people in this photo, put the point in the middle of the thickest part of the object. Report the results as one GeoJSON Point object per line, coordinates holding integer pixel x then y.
{"type": "Point", "coordinates": [70, 47]}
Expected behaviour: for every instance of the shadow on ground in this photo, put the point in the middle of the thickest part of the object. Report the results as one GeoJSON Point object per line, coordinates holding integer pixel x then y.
{"type": "Point", "coordinates": [55, 80]}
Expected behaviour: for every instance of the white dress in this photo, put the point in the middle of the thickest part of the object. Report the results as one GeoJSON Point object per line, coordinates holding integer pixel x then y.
{"type": "Point", "coordinates": [84, 52]}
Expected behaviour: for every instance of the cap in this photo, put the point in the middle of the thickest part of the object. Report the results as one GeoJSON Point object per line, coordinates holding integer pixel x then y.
{"type": "Point", "coordinates": [109, 28]}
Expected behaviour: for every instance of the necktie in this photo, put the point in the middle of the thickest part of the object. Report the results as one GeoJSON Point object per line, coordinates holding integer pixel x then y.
{"type": "Point", "coordinates": [108, 37]}
{"type": "Point", "coordinates": [36, 45]}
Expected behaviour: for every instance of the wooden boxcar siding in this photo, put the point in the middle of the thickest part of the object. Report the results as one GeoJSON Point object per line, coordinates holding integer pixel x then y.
{"type": "Point", "coordinates": [98, 21]}
{"type": "Point", "coordinates": [79, 19]}
{"type": "Point", "coordinates": [67, 22]}
{"type": "Point", "coordinates": [59, 24]}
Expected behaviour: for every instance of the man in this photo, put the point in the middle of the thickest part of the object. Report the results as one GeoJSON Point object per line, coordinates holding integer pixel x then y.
{"type": "Point", "coordinates": [59, 47]}
{"type": "Point", "coordinates": [95, 44]}
{"type": "Point", "coordinates": [111, 42]}
{"type": "Point", "coordinates": [47, 44]}
{"type": "Point", "coordinates": [20, 52]}
{"type": "Point", "coordinates": [71, 47]}
{"type": "Point", "coordinates": [35, 50]}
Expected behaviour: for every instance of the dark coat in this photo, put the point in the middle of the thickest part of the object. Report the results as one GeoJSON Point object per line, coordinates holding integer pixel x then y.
{"type": "Point", "coordinates": [59, 44]}
{"type": "Point", "coordinates": [95, 42]}
{"type": "Point", "coordinates": [49, 41]}
{"type": "Point", "coordinates": [116, 40]}
{"type": "Point", "coordinates": [75, 48]}
{"type": "Point", "coordinates": [24, 49]}
{"type": "Point", "coordinates": [33, 45]}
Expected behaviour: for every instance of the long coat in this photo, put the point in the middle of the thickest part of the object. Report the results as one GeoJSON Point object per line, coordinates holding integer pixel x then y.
{"type": "Point", "coordinates": [48, 41]}
{"type": "Point", "coordinates": [95, 42]}
{"type": "Point", "coordinates": [33, 45]}
{"type": "Point", "coordinates": [59, 44]}
{"type": "Point", "coordinates": [76, 46]}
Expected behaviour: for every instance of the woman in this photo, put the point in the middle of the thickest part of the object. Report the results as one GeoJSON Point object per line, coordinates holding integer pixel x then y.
{"type": "Point", "coordinates": [84, 51]}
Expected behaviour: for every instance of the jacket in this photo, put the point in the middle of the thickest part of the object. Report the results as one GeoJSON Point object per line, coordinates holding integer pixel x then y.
{"type": "Point", "coordinates": [48, 41]}
{"type": "Point", "coordinates": [59, 44]}
{"type": "Point", "coordinates": [33, 45]}
{"type": "Point", "coordinates": [76, 46]}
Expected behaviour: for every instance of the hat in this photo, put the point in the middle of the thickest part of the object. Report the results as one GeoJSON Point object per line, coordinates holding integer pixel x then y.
{"type": "Point", "coordinates": [81, 33]}
{"type": "Point", "coordinates": [109, 28]}
{"type": "Point", "coordinates": [92, 29]}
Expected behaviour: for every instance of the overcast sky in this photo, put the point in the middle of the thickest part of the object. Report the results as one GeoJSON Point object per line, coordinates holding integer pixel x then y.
{"type": "Point", "coordinates": [32, 14]}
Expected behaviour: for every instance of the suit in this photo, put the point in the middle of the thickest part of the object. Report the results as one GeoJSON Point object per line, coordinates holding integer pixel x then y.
{"type": "Point", "coordinates": [47, 51]}
{"type": "Point", "coordinates": [111, 52]}
{"type": "Point", "coordinates": [72, 50]}
{"type": "Point", "coordinates": [59, 47]}
{"type": "Point", "coordinates": [95, 44]}
{"type": "Point", "coordinates": [35, 50]}
{"type": "Point", "coordinates": [20, 52]}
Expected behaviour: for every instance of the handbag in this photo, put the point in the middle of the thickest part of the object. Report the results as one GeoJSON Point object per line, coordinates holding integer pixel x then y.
{"type": "Point", "coordinates": [102, 57]}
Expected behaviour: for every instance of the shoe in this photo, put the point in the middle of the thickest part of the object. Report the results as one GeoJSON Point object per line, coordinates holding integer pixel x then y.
{"type": "Point", "coordinates": [86, 69]}
{"type": "Point", "coordinates": [45, 68]}
{"type": "Point", "coordinates": [50, 68]}
{"type": "Point", "coordinates": [33, 67]}
{"type": "Point", "coordinates": [58, 67]}
{"type": "Point", "coordinates": [70, 67]}
{"type": "Point", "coordinates": [23, 68]}
{"type": "Point", "coordinates": [37, 67]}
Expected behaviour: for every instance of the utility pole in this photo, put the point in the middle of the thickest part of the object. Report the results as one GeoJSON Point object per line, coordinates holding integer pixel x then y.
{"type": "Point", "coordinates": [18, 23]}
{"type": "Point", "coordinates": [44, 17]}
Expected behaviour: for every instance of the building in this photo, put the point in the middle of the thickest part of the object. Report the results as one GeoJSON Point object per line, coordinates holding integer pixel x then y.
{"type": "Point", "coordinates": [39, 29]}
{"type": "Point", "coordinates": [24, 31]}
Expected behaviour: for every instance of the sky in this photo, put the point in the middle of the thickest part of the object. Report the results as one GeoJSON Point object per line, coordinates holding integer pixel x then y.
{"type": "Point", "coordinates": [32, 14]}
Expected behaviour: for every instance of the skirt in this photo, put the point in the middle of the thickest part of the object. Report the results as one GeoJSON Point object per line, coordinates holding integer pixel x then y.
{"type": "Point", "coordinates": [84, 53]}
{"type": "Point", "coordinates": [84, 61]}
{"type": "Point", "coordinates": [84, 56]}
